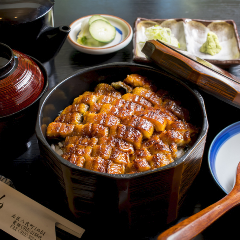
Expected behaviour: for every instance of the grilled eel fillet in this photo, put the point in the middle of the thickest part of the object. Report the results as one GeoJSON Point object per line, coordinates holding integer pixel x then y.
{"type": "Point", "coordinates": [115, 133]}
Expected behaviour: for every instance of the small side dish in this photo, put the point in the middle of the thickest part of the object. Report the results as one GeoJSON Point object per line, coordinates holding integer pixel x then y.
{"type": "Point", "coordinates": [220, 38]}
{"type": "Point", "coordinates": [100, 34]}
{"type": "Point", "coordinates": [126, 127]}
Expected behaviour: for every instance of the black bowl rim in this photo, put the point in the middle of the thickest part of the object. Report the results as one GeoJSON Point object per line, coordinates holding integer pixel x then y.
{"type": "Point", "coordinates": [49, 5]}
{"type": "Point", "coordinates": [44, 71]}
{"type": "Point", "coordinates": [43, 140]}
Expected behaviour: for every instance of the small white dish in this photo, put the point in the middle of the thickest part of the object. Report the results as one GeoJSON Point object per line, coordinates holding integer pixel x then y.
{"type": "Point", "coordinates": [224, 156]}
{"type": "Point", "coordinates": [123, 37]}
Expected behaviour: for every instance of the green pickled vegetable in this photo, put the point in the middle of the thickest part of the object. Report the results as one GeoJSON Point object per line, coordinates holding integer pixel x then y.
{"type": "Point", "coordinates": [163, 34]}
{"type": "Point", "coordinates": [102, 31]}
{"type": "Point", "coordinates": [96, 17]}
{"type": "Point", "coordinates": [85, 38]}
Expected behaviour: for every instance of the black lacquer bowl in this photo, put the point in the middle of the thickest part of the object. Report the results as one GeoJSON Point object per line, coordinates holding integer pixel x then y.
{"type": "Point", "coordinates": [129, 200]}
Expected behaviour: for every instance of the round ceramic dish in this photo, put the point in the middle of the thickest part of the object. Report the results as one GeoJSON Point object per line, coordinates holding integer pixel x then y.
{"type": "Point", "coordinates": [223, 156]}
{"type": "Point", "coordinates": [123, 36]}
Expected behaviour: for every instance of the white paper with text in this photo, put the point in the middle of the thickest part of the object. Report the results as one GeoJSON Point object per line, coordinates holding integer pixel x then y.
{"type": "Point", "coordinates": [24, 218]}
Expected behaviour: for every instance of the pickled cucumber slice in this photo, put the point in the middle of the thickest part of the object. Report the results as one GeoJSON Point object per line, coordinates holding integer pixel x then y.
{"type": "Point", "coordinates": [102, 31]}
{"type": "Point", "coordinates": [96, 17]}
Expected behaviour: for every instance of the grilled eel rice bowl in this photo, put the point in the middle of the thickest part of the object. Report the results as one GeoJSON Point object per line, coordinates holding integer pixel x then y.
{"type": "Point", "coordinates": [114, 131]}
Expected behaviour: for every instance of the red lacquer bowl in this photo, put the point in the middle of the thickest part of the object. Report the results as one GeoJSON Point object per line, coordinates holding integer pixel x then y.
{"type": "Point", "coordinates": [21, 81]}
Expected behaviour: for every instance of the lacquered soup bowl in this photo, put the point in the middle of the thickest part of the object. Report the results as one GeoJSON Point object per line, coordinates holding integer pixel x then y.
{"type": "Point", "coordinates": [23, 81]}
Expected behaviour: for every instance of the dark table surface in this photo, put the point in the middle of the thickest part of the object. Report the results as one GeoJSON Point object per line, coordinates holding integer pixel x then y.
{"type": "Point", "coordinates": [26, 170]}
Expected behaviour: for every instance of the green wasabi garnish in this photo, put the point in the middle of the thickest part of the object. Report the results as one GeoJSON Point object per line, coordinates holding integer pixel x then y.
{"type": "Point", "coordinates": [212, 45]}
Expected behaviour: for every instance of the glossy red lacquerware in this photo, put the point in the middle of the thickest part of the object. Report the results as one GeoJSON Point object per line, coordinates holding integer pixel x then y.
{"type": "Point", "coordinates": [21, 81]}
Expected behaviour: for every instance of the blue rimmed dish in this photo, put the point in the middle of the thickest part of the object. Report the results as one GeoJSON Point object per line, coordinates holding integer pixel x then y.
{"type": "Point", "coordinates": [123, 36]}
{"type": "Point", "coordinates": [224, 156]}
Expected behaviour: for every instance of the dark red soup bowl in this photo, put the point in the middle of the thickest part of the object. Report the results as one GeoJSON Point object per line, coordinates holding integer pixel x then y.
{"type": "Point", "coordinates": [23, 80]}
{"type": "Point", "coordinates": [122, 201]}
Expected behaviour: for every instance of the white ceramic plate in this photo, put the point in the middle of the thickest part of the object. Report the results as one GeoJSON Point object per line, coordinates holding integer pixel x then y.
{"type": "Point", "coordinates": [224, 156]}
{"type": "Point", "coordinates": [123, 37]}
{"type": "Point", "coordinates": [191, 34]}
